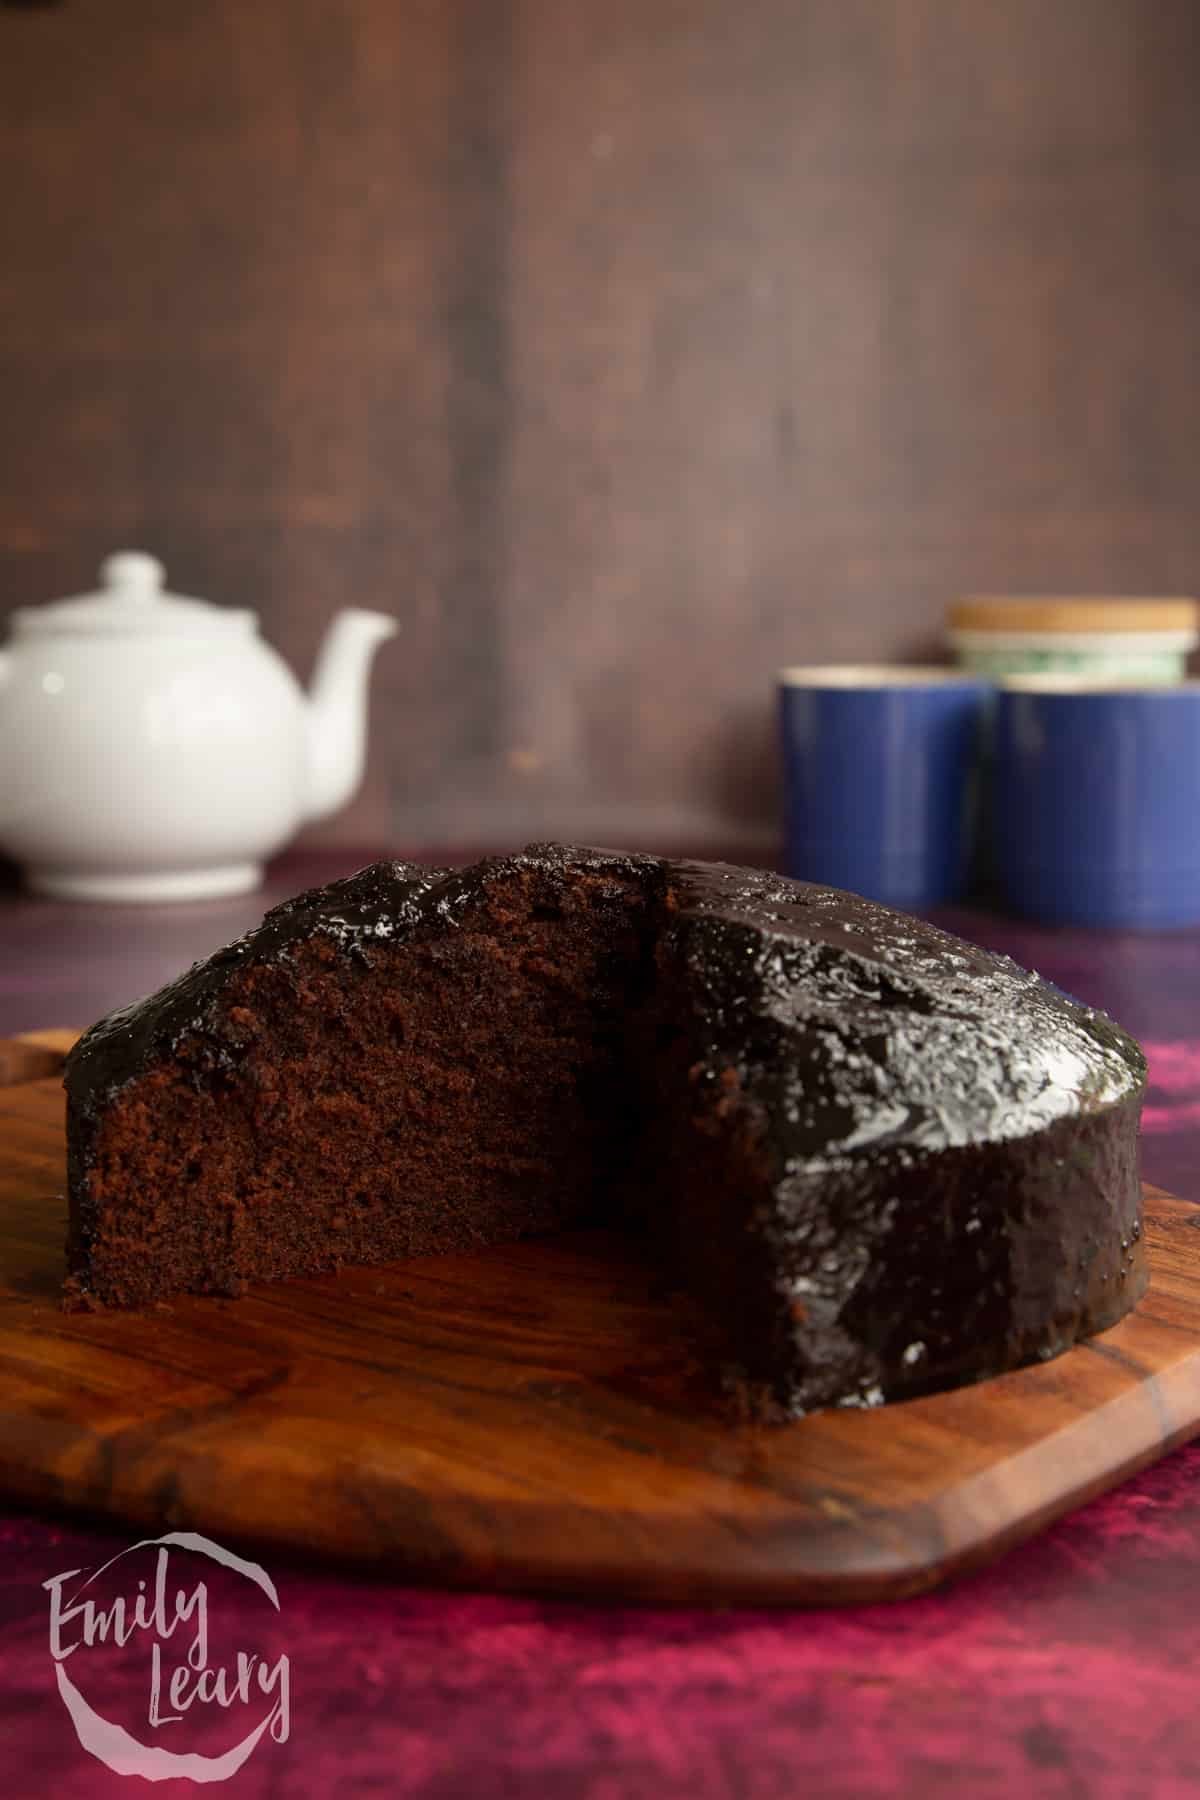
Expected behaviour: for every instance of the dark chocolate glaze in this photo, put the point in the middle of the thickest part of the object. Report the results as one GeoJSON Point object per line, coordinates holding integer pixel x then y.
{"type": "Point", "coordinates": [899, 1161]}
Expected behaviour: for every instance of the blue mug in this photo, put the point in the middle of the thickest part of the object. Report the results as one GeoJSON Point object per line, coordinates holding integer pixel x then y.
{"type": "Point", "coordinates": [880, 767]}
{"type": "Point", "coordinates": [1097, 794]}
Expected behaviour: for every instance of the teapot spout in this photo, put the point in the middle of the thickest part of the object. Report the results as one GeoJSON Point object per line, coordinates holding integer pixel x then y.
{"type": "Point", "coordinates": [337, 708]}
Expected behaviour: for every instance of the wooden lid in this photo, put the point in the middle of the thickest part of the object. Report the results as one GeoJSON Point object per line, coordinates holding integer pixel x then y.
{"type": "Point", "coordinates": [995, 612]}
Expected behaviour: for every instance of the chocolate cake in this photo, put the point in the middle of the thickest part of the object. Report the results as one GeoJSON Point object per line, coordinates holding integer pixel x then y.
{"type": "Point", "coordinates": [880, 1159]}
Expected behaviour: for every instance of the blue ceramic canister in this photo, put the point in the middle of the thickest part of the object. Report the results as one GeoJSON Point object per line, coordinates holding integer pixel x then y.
{"type": "Point", "coordinates": [1097, 800]}
{"type": "Point", "coordinates": [880, 766]}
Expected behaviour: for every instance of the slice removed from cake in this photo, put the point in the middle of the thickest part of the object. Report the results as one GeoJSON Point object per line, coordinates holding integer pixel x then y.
{"type": "Point", "coordinates": [880, 1159]}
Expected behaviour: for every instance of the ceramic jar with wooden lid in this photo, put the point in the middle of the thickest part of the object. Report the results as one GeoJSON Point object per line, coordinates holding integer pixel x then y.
{"type": "Point", "coordinates": [1103, 637]}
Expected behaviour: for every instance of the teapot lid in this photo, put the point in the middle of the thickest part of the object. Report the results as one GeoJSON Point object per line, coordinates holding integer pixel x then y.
{"type": "Point", "coordinates": [133, 601]}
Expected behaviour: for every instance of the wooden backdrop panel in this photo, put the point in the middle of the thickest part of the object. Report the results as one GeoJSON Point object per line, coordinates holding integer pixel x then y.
{"type": "Point", "coordinates": [624, 348]}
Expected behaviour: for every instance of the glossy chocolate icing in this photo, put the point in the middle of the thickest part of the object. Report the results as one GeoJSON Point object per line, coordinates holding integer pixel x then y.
{"type": "Point", "coordinates": [885, 1160]}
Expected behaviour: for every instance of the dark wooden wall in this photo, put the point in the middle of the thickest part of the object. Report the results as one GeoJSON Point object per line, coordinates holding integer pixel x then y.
{"type": "Point", "coordinates": [624, 349]}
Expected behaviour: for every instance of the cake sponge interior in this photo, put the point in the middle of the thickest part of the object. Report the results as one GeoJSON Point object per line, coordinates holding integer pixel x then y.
{"type": "Point", "coordinates": [455, 1090]}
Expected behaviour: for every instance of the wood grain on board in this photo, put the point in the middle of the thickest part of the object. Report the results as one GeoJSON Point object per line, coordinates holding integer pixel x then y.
{"type": "Point", "coordinates": [528, 1418]}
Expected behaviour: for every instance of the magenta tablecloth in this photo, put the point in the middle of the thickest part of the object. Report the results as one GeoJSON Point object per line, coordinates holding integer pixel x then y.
{"type": "Point", "coordinates": [1067, 1669]}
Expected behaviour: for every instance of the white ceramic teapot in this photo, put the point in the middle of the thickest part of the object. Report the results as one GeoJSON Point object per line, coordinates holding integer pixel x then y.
{"type": "Point", "coordinates": [154, 748]}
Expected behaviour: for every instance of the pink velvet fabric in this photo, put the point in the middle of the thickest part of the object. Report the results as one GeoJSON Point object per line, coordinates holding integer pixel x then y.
{"type": "Point", "coordinates": [1066, 1669]}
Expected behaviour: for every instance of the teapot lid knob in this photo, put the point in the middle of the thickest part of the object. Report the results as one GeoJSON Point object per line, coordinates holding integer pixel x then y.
{"type": "Point", "coordinates": [133, 575]}
{"type": "Point", "coordinates": [132, 602]}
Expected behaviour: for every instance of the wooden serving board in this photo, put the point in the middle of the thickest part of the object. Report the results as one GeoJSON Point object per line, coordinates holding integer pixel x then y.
{"type": "Point", "coordinates": [528, 1417]}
